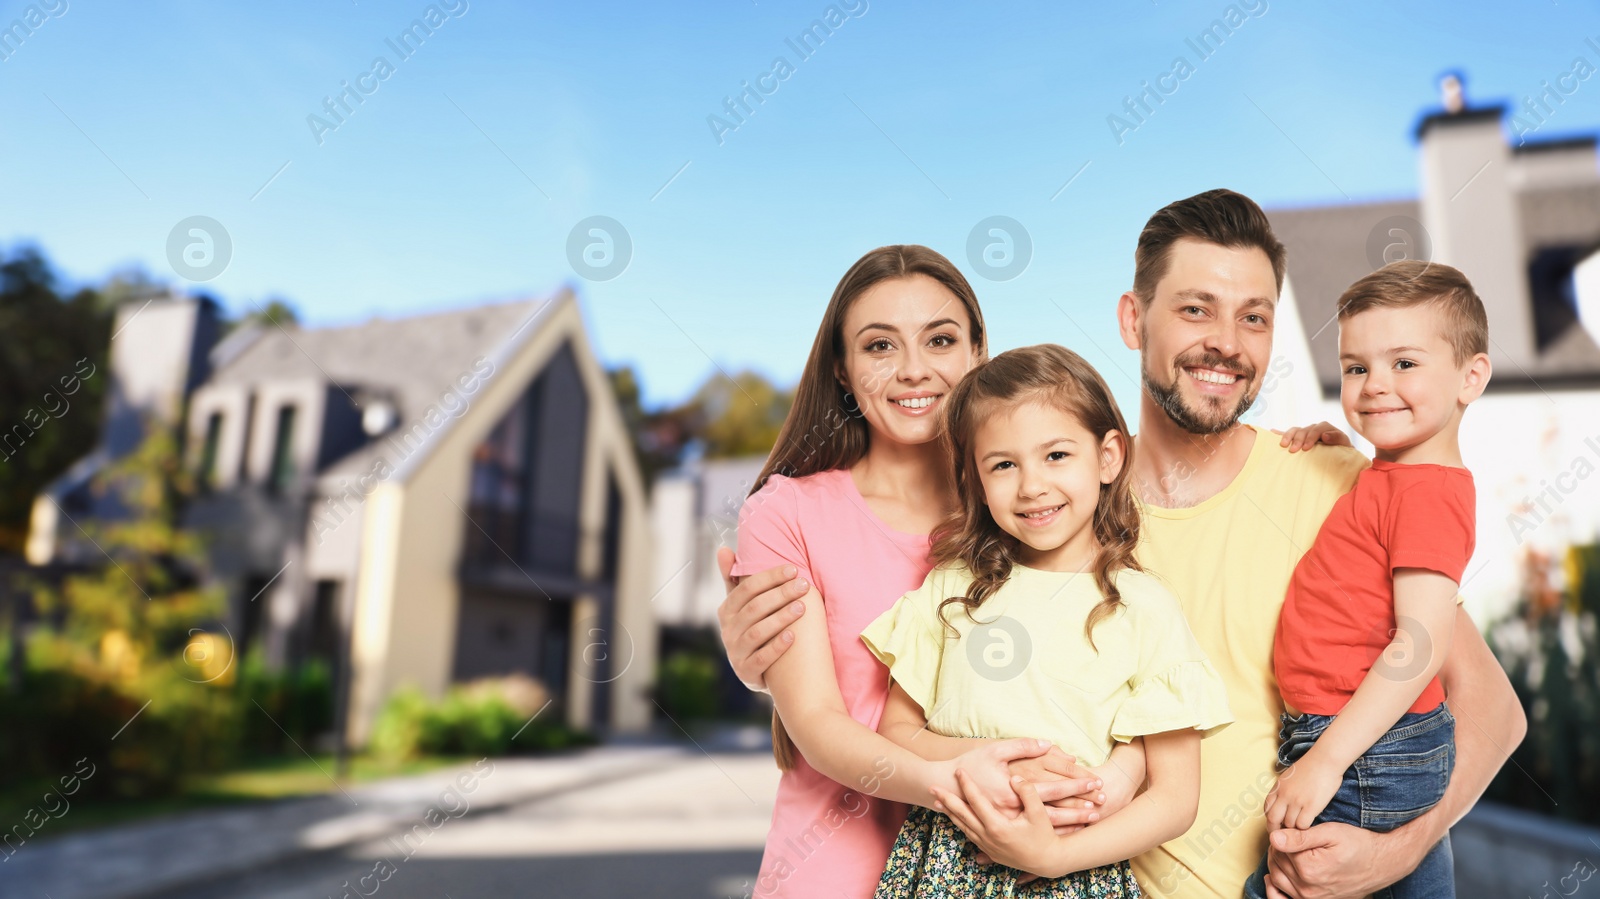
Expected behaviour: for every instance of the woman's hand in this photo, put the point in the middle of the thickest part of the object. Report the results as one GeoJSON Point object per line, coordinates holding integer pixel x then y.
{"type": "Point", "coordinates": [755, 617]}
{"type": "Point", "coordinates": [1119, 781]}
{"type": "Point", "coordinates": [989, 769]}
{"type": "Point", "coordinates": [1298, 439]}
{"type": "Point", "coordinates": [1071, 793]}
{"type": "Point", "coordinates": [1026, 842]}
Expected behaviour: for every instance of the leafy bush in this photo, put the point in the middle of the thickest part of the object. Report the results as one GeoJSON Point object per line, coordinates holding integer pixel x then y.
{"type": "Point", "coordinates": [687, 686]}
{"type": "Point", "coordinates": [129, 676]}
{"type": "Point", "coordinates": [294, 703]}
{"type": "Point", "coordinates": [113, 681]}
{"type": "Point", "coordinates": [488, 717]}
{"type": "Point", "coordinates": [145, 733]}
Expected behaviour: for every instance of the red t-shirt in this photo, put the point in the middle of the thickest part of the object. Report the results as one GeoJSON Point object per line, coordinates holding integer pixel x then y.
{"type": "Point", "coordinates": [1339, 613]}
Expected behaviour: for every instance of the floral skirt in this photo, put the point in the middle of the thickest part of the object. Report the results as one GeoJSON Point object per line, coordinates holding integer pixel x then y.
{"type": "Point", "coordinates": [933, 859]}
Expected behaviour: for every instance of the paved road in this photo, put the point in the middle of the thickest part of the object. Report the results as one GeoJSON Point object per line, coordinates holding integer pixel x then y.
{"type": "Point", "coordinates": [691, 827]}
{"type": "Point", "coordinates": [676, 824]}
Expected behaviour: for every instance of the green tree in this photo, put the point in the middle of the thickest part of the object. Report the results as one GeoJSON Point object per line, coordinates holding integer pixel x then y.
{"type": "Point", "coordinates": [742, 414]}
{"type": "Point", "coordinates": [49, 412]}
{"type": "Point", "coordinates": [274, 313]}
{"type": "Point", "coordinates": [726, 417]}
{"type": "Point", "coordinates": [135, 643]}
{"type": "Point", "coordinates": [658, 436]}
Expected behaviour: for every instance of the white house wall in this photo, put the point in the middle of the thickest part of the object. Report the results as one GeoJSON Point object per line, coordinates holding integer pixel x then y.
{"type": "Point", "coordinates": [678, 542]}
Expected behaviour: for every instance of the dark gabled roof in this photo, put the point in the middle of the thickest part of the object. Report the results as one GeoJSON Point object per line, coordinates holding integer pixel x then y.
{"type": "Point", "coordinates": [412, 361]}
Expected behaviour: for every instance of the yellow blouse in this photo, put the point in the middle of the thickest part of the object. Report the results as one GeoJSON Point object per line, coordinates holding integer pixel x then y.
{"type": "Point", "coordinates": [1025, 669]}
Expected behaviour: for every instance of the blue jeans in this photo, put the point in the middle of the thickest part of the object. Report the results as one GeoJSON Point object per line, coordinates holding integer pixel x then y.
{"type": "Point", "coordinates": [1403, 775]}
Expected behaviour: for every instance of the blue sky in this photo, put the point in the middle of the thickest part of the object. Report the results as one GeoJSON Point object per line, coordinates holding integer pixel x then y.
{"type": "Point", "coordinates": [460, 177]}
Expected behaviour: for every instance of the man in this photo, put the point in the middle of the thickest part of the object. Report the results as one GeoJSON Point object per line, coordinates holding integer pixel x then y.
{"type": "Point", "coordinates": [1227, 514]}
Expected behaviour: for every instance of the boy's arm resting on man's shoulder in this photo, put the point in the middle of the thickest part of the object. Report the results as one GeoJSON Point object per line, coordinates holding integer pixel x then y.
{"type": "Point", "coordinates": [1337, 860]}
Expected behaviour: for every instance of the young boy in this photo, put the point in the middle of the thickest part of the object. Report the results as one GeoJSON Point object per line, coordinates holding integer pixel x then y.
{"type": "Point", "coordinates": [1366, 624]}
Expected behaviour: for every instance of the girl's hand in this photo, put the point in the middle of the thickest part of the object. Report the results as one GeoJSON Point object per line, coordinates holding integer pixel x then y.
{"type": "Point", "coordinates": [1303, 790]}
{"type": "Point", "coordinates": [1070, 792]}
{"type": "Point", "coordinates": [1072, 813]}
{"type": "Point", "coordinates": [1298, 439]}
{"type": "Point", "coordinates": [1120, 785]}
{"type": "Point", "coordinates": [1025, 842]}
{"type": "Point", "coordinates": [987, 768]}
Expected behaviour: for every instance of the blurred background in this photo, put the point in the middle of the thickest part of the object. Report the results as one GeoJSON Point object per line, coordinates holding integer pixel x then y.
{"type": "Point", "coordinates": [378, 379]}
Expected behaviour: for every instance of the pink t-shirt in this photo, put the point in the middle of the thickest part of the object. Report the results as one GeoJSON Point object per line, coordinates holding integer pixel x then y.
{"type": "Point", "coordinates": [828, 840]}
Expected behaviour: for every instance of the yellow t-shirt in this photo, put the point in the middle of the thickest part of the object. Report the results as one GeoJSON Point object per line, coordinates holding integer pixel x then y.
{"type": "Point", "coordinates": [1025, 668]}
{"type": "Point", "coordinates": [1228, 560]}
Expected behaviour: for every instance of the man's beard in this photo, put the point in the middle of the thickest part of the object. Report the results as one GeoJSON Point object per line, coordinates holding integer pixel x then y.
{"type": "Point", "coordinates": [1213, 418]}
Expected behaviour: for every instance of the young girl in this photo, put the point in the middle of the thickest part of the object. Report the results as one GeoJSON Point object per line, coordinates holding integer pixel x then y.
{"type": "Point", "coordinates": [1037, 620]}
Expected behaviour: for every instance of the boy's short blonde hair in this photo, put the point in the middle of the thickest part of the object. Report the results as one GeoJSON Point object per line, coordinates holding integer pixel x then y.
{"type": "Point", "coordinates": [1409, 282]}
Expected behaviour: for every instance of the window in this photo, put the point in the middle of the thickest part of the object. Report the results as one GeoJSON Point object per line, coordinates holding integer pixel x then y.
{"type": "Point", "coordinates": [323, 632]}
{"type": "Point", "coordinates": [1553, 292]}
{"type": "Point", "coordinates": [611, 546]}
{"type": "Point", "coordinates": [523, 495]}
{"type": "Point", "coordinates": [242, 475]}
{"type": "Point", "coordinates": [253, 604]}
{"type": "Point", "coordinates": [495, 499]}
{"type": "Point", "coordinates": [208, 451]}
{"type": "Point", "coordinates": [282, 473]}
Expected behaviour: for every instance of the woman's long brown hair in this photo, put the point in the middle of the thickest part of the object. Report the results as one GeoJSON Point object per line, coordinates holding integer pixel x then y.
{"type": "Point", "coordinates": [1058, 377]}
{"type": "Point", "coordinates": [825, 429]}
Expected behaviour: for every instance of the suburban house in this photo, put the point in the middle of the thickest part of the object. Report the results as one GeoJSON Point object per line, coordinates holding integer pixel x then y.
{"type": "Point", "coordinates": [1522, 221]}
{"type": "Point", "coordinates": [436, 498]}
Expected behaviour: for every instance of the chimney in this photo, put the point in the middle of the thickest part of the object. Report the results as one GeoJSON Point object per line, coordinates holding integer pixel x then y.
{"type": "Point", "coordinates": [158, 355]}
{"type": "Point", "coordinates": [1470, 211]}
{"type": "Point", "coordinates": [1452, 93]}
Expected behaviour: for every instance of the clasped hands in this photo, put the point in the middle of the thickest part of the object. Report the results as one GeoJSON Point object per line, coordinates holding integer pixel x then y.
{"type": "Point", "coordinates": [1009, 810]}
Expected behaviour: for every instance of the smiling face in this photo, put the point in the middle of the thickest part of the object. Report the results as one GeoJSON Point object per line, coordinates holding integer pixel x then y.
{"type": "Point", "coordinates": [1400, 385]}
{"type": "Point", "coordinates": [907, 342]}
{"type": "Point", "coordinates": [1041, 471]}
{"type": "Point", "coordinates": [1205, 338]}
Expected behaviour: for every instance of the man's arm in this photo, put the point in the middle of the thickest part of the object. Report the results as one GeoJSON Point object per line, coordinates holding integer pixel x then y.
{"type": "Point", "coordinates": [1337, 860]}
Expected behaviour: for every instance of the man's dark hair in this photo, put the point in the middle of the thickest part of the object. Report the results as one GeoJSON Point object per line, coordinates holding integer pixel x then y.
{"type": "Point", "coordinates": [1219, 216]}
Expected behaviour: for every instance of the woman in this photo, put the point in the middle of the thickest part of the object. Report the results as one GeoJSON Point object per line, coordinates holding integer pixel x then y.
{"type": "Point", "coordinates": [847, 499]}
